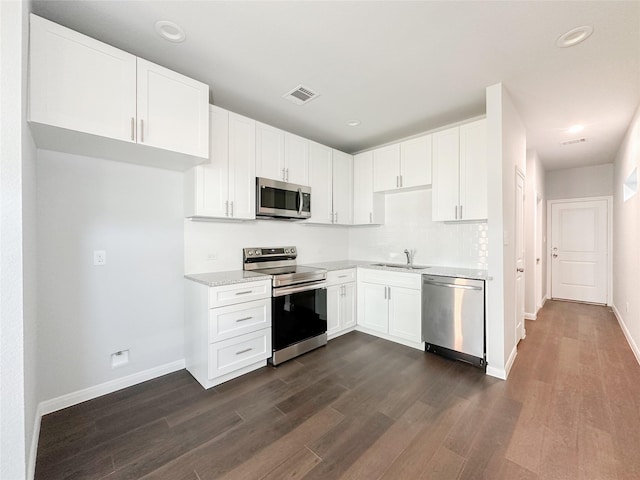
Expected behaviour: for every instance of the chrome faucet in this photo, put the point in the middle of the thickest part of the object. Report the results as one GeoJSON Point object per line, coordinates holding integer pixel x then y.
{"type": "Point", "coordinates": [409, 255]}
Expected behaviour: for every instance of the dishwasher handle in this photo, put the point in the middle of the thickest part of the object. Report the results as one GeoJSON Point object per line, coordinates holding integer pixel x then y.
{"type": "Point", "coordinates": [451, 285]}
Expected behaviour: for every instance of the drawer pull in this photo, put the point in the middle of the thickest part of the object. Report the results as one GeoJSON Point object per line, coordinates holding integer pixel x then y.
{"type": "Point", "coordinates": [243, 319]}
{"type": "Point", "coordinates": [244, 293]}
{"type": "Point", "coordinates": [244, 351]}
{"type": "Point", "coordinates": [343, 276]}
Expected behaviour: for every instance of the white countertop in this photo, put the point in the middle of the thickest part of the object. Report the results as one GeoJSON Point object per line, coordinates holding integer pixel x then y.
{"type": "Point", "coordinates": [217, 279]}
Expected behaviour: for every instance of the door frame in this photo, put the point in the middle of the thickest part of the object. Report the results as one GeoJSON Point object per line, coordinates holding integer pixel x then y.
{"type": "Point", "coordinates": [520, 335]}
{"type": "Point", "coordinates": [609, 200]}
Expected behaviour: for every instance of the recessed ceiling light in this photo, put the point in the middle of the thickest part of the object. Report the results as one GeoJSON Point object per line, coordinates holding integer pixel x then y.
{"type": "Point", "coordinates": [575, 129]}
{"type": "Point", "coordinates": [574, 36]}
{"type": "Point", "coordinates": [170, 31]}
{"type": "Point", "coordinates": [353, 123]}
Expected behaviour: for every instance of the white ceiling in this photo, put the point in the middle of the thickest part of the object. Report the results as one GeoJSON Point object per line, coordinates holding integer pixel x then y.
{"type": "Point", "coordinates": [399, 67]}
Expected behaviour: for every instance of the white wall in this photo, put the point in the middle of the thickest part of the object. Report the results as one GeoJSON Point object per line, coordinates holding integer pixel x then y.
{"type": "Point", "coordinates": [626, 239]}
{"type": "Point", "coordinates": [135, 301]}
{"type": "Point", "coordinates": [217, 246]}
{"type": "Point", "coordinates": [12, 413]}
{"type": "Point", "coordinates": [580, 182]}
{"type": "Point", "coordinates": [408, 225]}
{"type": "Point", "coordinates": [506, 151]}
{"type": "Point", "coordinates": [535, 234]}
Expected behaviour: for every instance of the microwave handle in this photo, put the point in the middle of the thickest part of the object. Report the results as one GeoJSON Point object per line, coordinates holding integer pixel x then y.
{"type": "Point", "coordinates": [300, 201]}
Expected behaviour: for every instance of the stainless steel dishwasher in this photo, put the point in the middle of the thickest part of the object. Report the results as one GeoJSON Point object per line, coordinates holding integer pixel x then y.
{"type": "Point", "coordinates": [453, 318]}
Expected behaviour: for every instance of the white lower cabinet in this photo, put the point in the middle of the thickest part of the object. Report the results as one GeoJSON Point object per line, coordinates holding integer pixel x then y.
{"type": "Point", "coordinates": [341, 302]}
{"type": "Point", "coordinates": [389, 305]}
{"type": "Point", "coordinates": [227, 330]}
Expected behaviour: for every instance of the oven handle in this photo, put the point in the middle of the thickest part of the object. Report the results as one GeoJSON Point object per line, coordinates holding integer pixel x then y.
{"type": "Point", "coordinates": [282, 291]}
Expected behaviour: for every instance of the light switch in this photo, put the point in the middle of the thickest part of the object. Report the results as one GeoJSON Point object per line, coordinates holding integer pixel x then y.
{"type": "Point", "coordinates": [99, 257]}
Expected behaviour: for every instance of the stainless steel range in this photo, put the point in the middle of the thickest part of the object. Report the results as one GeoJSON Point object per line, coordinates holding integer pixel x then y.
{"type": "Point", "coordinates": [298, 304]}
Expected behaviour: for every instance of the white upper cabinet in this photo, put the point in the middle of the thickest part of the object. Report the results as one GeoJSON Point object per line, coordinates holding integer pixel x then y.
{"type": "Point", "coordinates": [342, 188]}
{"type": "Point", "coordinates": [415, 162]}
{"type": "Point", "coordinates": [368, 207]}
{"type": "Point", "coordinates": [459, 173]}
{"type": "Point", "coordinates": [79, 83]}
{"type": "Point", "coordinates": [225, 187]}
{"type": "Point", "coordinates": [386, 168]}
{"type": "Point", "coordinates": [320, 174]}
{"type": "Point", "coordinates": [281, 155]}
{"type": "Point", "coordinates": [330, 173]}
{"type": "Point", "coordinates": [89, 98]}
{"type": "Point", "coordinates": [402, 165]}
{"type": "Point", "coordinates": [172, 110]}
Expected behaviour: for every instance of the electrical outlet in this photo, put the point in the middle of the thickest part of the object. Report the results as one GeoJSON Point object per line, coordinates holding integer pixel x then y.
{"type": "Point", "coordinates": [212, 256]}
{"type": "Point", "coordinates": [119, 359]}
{"type": "Point", "coordinates": [99, 257]}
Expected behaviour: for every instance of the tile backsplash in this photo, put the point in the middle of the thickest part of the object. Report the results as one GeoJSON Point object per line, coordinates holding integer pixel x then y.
{"type": "Point", "coordinates": [409, 225]}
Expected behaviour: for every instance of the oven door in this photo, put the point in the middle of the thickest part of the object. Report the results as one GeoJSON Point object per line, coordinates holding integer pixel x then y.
{"type": "Point", "coordinates": [298, 313]}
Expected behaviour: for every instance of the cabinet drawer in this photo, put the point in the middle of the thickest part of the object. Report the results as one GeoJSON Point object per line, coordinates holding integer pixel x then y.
{"type": "Point", "coordinates": [238, 352]}
{"type": "Point", "coordinates": [338, 277]}
{"type": "Point", "coordinates": [234, 320]}
{"type": "Point", "coordinates": [239, 292]}
{"type": "Point", "coordinates": [393, 279]}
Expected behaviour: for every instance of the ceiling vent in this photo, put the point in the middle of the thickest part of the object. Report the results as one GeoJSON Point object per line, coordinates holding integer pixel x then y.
{"type": "Point", "coordinates": [301, 95]}
{"type": "Point", "coordinates": [574, 141]}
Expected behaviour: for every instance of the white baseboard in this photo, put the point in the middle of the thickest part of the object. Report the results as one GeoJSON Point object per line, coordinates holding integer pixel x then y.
{"type": "Point", "coordinates": [627, 334]}
{"type": "Point", "coordinates": [73, 398]}
{"type": "Point", "coordinates": [503, 373]}
{"type": "Point", "coordinates": [530, 316]}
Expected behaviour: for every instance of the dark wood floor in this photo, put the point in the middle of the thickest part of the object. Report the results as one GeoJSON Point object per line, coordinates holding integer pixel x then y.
{"type": "Point", "coordinates": [365, 408]}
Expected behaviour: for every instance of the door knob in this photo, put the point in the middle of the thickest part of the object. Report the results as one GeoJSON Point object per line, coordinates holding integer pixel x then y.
{"type": "Point", "coordinates": [520, 270]}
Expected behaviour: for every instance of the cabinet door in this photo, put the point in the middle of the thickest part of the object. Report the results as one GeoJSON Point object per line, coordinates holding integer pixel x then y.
{"type": "Point", "coordinates": [386, 168]}
{"type": "Point", "coordinates": [473, 170]}
{"type": "Point", "coordinates": [81, 84]}
{"type": "Point", "coordinates": [373, 306]}
{"type": "Point", "coordinates": [404, 314]}
{"type": "Point", "coordinates": [269, 152]}
{"type": "Point", "coordinates": [348, 305]}
{"type": "Point", "coordinates": [296, 159]}
{"type": "Point", "coordinates": [242, 167]}
{"type": "Point", "coordinates": [342, 194]}
{"type": "Point", "coordinates": [368, 207]}
{"type": "Point", "coordinates": [211, 179]}
{"type": "Point", "coordinates": [334, 303]}
{"type": "Point", "coordinates": [320, 166]}
{"type": "Point", "coordinates": [445, 175]}
{"type": "Point", "coordinates": [415, 162]}
{"type": "Point", "coordinates": [173, 110]}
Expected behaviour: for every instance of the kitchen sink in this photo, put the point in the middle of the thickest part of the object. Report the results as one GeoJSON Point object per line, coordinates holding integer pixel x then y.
{"type": "Point", "coordinates": [399, 266]}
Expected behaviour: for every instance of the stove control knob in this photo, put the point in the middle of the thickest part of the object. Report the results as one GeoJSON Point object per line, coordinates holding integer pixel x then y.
{"type": "Point", "coordinates": [250, 252]}
{"type": "Point", "coordinates": [257, 252]}
{"type": "Point", "coordinates": [293, 250]}
{"type": "Point", "coordinates": [286, 250]}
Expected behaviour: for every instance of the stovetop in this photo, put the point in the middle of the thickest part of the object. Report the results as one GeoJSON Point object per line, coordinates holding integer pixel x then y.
{"type": "Point", "coordinates": [280, 262]}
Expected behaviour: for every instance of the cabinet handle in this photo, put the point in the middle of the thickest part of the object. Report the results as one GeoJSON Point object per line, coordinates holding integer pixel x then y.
{"type": "Point", "coordinates": [370, 217]}
{"type": "Point", "coordinates": [226, 209]}
{"type": "Point", "coordinates": [244, 293]}
{"type": "Point", "coordinates": [455, 209]}
{"type": "Point", "coordinates": [401, 180]}
{"type": "Point", "coordinates": [133, 129]}
{"type": "Point", "coordinates": [385, 293]}
{"type": "Point", "coordinates": [243, 319]}
{"type": "Point", "coordinates": [231, 215]}
{"type": "Point", "coordinates": [244, 351]}
{"type": "Point", "coordinates": [141, 131]}
{"type": "Point", "coordinates": [343, 276]}
{"type": "Point", "coordinates": [287, 174]}
{"type": "Point", "coordinates": [460, 212]}
{"type": "Point", "coordinates": [284, 179]}
{"type": "Point", "coordinates": [389, 292]}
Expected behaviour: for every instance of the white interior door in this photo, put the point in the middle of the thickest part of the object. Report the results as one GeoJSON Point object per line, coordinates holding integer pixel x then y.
{"type": "Point", "coordinates": [579, 248]}
{"type": "Point", "coordinates": [519, 251]}
{"type": "Point", "coordinates": [539, 235]}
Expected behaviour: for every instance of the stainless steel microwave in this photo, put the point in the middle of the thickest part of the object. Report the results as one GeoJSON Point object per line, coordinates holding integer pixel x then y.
{"type": "Point", "coordinates": [282, 199]}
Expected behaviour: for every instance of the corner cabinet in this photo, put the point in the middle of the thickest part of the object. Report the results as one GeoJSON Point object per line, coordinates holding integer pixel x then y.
{"type": "Point", "coordinates": [224, 187]}
{"type": "Point", "coordinates": [341, 302]}
{"type": "Point", "coordinates": [330, 174]}
{"type": "Point", "coordinates": [402, 165]}
{"type": "Point", "coordinates": [459, 173]}
{"type": "Point", "coordinates": [89, 98]}
{"type": "Point", "coordinates": [281, 155]}
{"type": "Point", "coordinates": [368, 207]}
{"type": "Point", "coordinates": [227, 330]}
{"type": "Point", "coordinates": [389, 305]}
